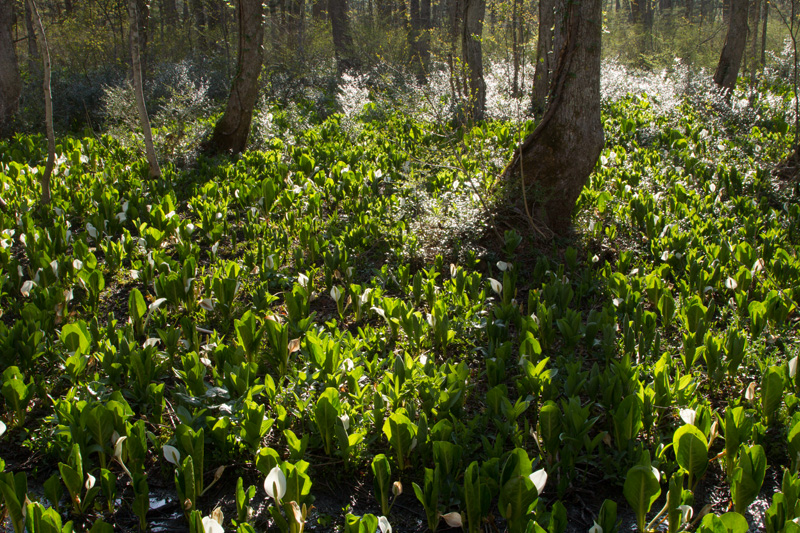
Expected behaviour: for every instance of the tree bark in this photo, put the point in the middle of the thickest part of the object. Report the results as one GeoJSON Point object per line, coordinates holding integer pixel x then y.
{"type": "Point", "coordinates": [763, 58]}
{"type": "Point", "coordinates": [48, 106]}
{"type": "Point", "coordinates": [553, 163]}
{"type": "Point", "coordinates": [10, 81]}
{"type": "Point", "coordinates": [418, 37]}
{"type": "Point", "coordinates": [544, 57]}
{"type": "Point", "coordinates": [731, 58]}
{"type": "Point", "coordinates": [756, 6]}
{"type": "Point", "coordinates": [152, 161]}
{"type": "Point", "coordinates": [474, 12]}
{"type": "Point", "coordinates": [342, 39]}
{"type": "Point", "coordinates": [231, 132]}
{"type": "Point", "coordinates": [170, 9]}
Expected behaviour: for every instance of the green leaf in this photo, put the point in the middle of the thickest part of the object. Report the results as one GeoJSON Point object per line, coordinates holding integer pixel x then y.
{"type": "Point", "coordinates": [325, 414]}
{"type": "Point", "coordinates": [748, 477]}
{"type": "Point", "coordinates": [691, 450]}
{"type": "Point", "coordinates": [641, 489]}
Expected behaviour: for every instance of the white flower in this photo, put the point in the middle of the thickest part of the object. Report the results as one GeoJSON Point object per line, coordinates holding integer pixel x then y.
{"type": "Point", "coordinates": [686, 513]}
{"type": "Point", "coordinates": [90, 480]}
{"type": "Point", "coordinates": [275, 484]}
{"type": "Point", "coordinates": [383, 525]}
{"type": "Point", "coordinates": [793, 367]}
{"type": "Point", "coordinates": [172, 455]}
{"type": "Point", "coordinates": [688, 416]}
{"type": "Point", "coordinates": [397, 488]}
{"type": "Point", "coordinates": [503, 266]}
{"type": "Point", "coordinates": [336, 293]}
{"type": "Point", "coordinates": [731, 284]}
{"type": "Point", "coordinates": [302, 279]}
{"type": "Point", "coordinates": [2, 428]}
{"type": "Point", "coordinates": [27, 287]}
{"type": "Point", "coordinates": [595, 528]}
{"type": "Point", "coordinates": [453, 519]}
{"type": "Point", "coordinates": [118, 447]}
{"type": "Point", "coordinates": [91, 230]}
{"type": "Point", "coordinates": [207, 304]}
{"type": "Point", "coordinates": [212, 526]}
{"type": "Point", "coordinates": [345, 421]}
{"type": "Point", "coordinates": [539, 478]}
{"type": "Point", "coordinates": [496, 286]}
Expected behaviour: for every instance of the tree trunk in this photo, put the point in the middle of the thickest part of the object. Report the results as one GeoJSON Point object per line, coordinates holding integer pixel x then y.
{"type": "Point", "coordinates": [474, 12]}
{"type": "Point", "coordinates": [731, 58]}
{"type": "Point", "coordinates": [155, 171]}
{"type": "Point", "coordinates": [754, 49]}
{"type": "Point", "coordinates": [231, 132]}
{"type": "Point", "coordinates": [295, 26]}
{"type": "Point", "coordinates": [48, 106]}
{"type": "Point", "coordinates": [170, 11]}
{"type": "Point", "coordinates": [554, 162]}
{"type": "Point", "coordinates": [10, 81]}
{"type": "Point", "coordinates": [515, 47]}
{"type": "Point", "coordinates": [764, 36]}
{"type": "Point", "coordinates": [33, 50]}
{"type": "Point", "coordinates": [342, 40]}
{"type": "Point", "coordinates": [142, 27]}
{"type": "Point", "coordinates": [544, 57]}
{"type": "Point", "coordinates": [200, 23]}
{"type": "Point", "coordinates": [417, 39]}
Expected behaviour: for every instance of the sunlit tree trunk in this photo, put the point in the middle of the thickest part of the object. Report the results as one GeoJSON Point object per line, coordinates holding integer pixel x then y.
{"type": "Point", "coordinates": [731, 58]}
{"type": "Point", "coordinates": [551, 166]}
{"type": "Point", "coordinates": [152, 161]}
{"type": "Point", "coordinates": [418, 36]}
{"type": "Point", "coordinates": [10, 82]}
{"type": "Point", "coordinates": [474, 12]}
{"type": "Point", "coordinates": [764, 36]}
{"type": "Point", "coordinates": [231, 132]}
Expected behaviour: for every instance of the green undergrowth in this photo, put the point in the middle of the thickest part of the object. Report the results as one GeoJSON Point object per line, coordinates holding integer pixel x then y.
{"type": "Point", "coordinates": [338, 307]}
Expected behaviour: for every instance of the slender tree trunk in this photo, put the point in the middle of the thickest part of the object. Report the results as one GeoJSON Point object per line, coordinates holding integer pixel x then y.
{"type": "Point", "coordinates": [544, 57]}
{"type": "Point", "coordinates": [731, 58]}
{"type": "Point", "coordinates": [33, 50]}
{"type": "Point", "coordinates": [554, 162]}
{"type": "Point", "coordinates": [764, 36]}
{"type": "Point", "coordinates": [319, 10]}
{"type": "Point", "coordinates": [142, 27]}
{"type": "Point", "coordinates": [474, 12]}
{"type": "Point", "coordinates": [199, 23]}
{"type": "Point", "coordinates": [231, 132]}
{"type": "Point", "coordinates": [342, 39]}
{"type": "Point", "coordinates": [756, 6]}
{"type": "Point", "coordinates": [10, 81]}
{"type": "Point", "coordinates": [296, 22]}
{"type": "Point", "coordinates": [152, 161]}
{"type": "Point", "coordinates": [48, 106]}
{"type": "Point", "coordinates": [170, 12]}
{"type": "Point", "coordinates": [515, 47]}
{"type": "Point", "coordinates": [68, 7]}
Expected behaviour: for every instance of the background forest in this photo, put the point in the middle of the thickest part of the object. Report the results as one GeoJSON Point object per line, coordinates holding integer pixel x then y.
{"type": "Point", "coordinates": [281, 267]}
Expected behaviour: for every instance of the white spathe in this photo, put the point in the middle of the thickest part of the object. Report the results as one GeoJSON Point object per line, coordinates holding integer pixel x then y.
{"type": "Point", "coordinates": [275, 484]}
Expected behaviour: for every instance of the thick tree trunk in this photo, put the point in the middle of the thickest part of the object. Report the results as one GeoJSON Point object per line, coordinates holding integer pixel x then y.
{"type": "Point", "coordinates": [544, 57]}
{"type": "Point", "coordinates": [10, 82]}
{"type": "Point", "coordinates": [731, 58]}
{"type": "Point", "coordinates": [474, 12]}
{"type": "Point", "coordinates": [231, 132]}
{"type": "Point", "coordinates": [152, 161]}
{"type": "Point", "coordinates": [48, 106]}
{"type": "Point", "coordinates": [342, 39]}
{"type": "Point", "coordinates": [554, 162]}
